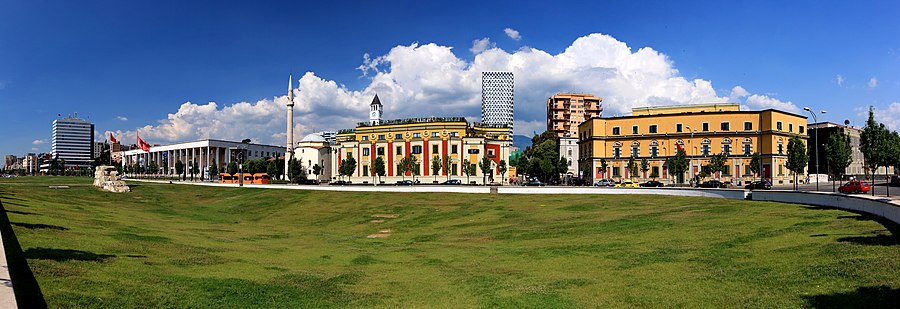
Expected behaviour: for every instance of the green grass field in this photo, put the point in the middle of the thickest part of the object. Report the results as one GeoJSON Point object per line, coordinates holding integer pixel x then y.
{"type": "Point", "coordinates": [189, 246]}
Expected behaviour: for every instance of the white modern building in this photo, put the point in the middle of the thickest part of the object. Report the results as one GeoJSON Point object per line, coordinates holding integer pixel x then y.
{"type": "Point", "coordinates": [568, 148]}
{"type": "Point", "coordinates": [73, 141]}
{"type": "Point", "coordinates": [497, 98]}
{"type": "Point", "coordinates": [203, 152]}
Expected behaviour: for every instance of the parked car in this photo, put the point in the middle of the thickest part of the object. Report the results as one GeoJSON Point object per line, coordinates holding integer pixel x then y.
{"type": "Point", "coordinates": [452, 182]}
{"type": "Point", "coordinates": [652, 183]}
{"type": "Point", "coordinates": [404, 182]}
{"type": "Point", "coordinates": [895, 181]}
{"type": "Point", "coordinates": [627, 184]}
{"type": "Point", "coordinates": [605, 183]}
{"type": "Point", "coordinates": [712, 184]}
{"type": "Point", "coordinates": [535, 183]}
{"type": "Point", "coordinates": [854, 186]}
{"type": "Point", "coordinates": [765, 185]}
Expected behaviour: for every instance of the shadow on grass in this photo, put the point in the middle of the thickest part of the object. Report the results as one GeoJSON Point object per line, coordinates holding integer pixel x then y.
{"type": "Point", "coordinates": [21, 212]}
{"type": "Point", "coordinates": [60, 255]}
{"type": "Point", "coordinates": [864, 297]}
{"type": "Point", "coordinates": [28, 292]}
{"type": "Point", "coordinates": [34, 226]}
{"type": "Point", "coordinates": [875, 240]}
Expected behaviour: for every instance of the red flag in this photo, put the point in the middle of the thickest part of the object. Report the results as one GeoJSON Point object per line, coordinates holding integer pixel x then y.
{"type": "Point", "coordinates": [142, 144]}
{"type": "Point", "coordinates": [678, 146]}
{"type": "Point", "coordinates": [112, 138]}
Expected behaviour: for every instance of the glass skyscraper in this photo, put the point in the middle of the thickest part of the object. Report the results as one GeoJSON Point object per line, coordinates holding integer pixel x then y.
{"type": "Point", "coordinates": [73, 141]}
{"type": "Point", "coordinates": [497, 98]}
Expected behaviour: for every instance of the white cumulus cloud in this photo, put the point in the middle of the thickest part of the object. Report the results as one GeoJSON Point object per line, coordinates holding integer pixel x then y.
{"type": "Point", "coordinates": [481, 45]}
{"type": "Point", "coordinates": [873, 82]}
{"type": "Point", "coordinates": [512, 34]}
{"type": "Point", "coordinates": [421, 80]}
{"type": "Point", "coordinates": [121, 118]}
{"type": "Point", "coordinates": [38, 142]}
{"type": "Point", "coordinates": [840, 80]}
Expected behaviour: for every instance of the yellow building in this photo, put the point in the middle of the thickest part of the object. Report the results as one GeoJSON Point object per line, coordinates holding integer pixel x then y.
{"type": "Point", "coordinates": [702, 130]}
{"type": "Point", "coordinates": [565, 111]}
{"type": "Point", "coordinates": [426, 139]}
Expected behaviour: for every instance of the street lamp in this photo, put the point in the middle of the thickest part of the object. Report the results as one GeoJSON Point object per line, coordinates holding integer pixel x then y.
{"type": "Point", "coordinates": [243, 149]}
{"type": "Point", "coordinates": [816, 143]}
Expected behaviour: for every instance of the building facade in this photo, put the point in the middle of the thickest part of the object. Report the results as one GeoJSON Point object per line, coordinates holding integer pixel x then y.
{"type": "Point", "coordinates": [825, 130]}
{"type": "Point", "coordinates": [565, 111]}
{"type": "Point", "coordinates": [73, 141]}
{"type": "Point", "coordinates": [426, 139]}
{"type": "Point", "coordinates": [202, 152]}
{"type": "Point", "coordinates": [655, 134]}
{"type": "Point", "coordinates": [497, 98]}
{"type": "Point", "coordinates": [314, 149]}
{"type": "Point", "coordinates": [568, 148]}
{"type": "Point", "coordinates": [9, 161]}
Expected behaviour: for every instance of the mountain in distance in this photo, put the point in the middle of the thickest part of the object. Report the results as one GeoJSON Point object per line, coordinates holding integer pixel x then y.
{"type": "Point", "coordinates": [521, 141]}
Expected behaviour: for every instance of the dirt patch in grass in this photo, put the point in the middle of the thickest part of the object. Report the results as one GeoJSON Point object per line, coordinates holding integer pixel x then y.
{"type": "Point", "coordinates": [377, 221]}
{"type": "Point", "coordinates": [389, 216]}
{"type": "Point", "coordinates": [379, 235]}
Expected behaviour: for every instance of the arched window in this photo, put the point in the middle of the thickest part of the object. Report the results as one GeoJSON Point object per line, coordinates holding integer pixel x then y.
{"type": "Point", "coordinates": [748, 146]}
{"type": "Point", "coordinates": [635, 149]}
{"type": "Point", "coordinates": [654, 149]}
{"type": "Point", "coordinates": [617, 150]}
{"type": "Point", "coordinates": [726, 146]}
{"type": "Point", "coordinates": [704, 147]}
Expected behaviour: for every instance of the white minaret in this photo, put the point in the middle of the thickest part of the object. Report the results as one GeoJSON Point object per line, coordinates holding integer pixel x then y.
{"type": "Point", "coordinates": [289, 154]}
{"type": "Point", "coordinates": [375, 110]}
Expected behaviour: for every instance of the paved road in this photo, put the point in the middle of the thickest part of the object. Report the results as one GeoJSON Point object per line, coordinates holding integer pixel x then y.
{"type": "Point", "coordinates": [880, 189]}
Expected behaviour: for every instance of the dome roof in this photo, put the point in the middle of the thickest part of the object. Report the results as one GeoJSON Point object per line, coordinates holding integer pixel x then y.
{"type": "Point", "coordinates": [315, 137]}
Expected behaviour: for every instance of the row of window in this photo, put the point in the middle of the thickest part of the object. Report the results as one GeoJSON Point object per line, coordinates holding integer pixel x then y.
{"type": "Point", "coordinates": [379, 151]}
{"type": "Point", "coordinates": [704, 150]}
{"type": "Point", "coordinates": [382, 137]}
{"type": "Point", "coordinates": [724, 126]}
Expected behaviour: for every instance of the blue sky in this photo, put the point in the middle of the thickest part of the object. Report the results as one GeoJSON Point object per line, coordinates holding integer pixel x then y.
{"type": "Point", "coordinates": [131, 67]}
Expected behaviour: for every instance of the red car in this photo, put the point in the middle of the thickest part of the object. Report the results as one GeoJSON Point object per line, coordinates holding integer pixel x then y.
{"type": "Point", "coordinates": [854, 186]}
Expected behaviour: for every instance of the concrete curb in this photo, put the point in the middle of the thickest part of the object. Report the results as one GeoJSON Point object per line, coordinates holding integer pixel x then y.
{"type": "Point", "coordinates": [737, 194]}
{"type": "Point", "coordinates": [7, 294]}
{"type": "Point", "coordinates": [881, 207]}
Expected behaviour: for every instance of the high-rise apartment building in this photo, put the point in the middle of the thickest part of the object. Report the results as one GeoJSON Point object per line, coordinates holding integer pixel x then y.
{"type": "Point", "coordinates": [565, 111]}
{"type": "Point", "coordinates": [497, 98]}
{"type": "Point", "coordinates": [72, 141]}
{"type": "Point", "coordinates": [9, 161]}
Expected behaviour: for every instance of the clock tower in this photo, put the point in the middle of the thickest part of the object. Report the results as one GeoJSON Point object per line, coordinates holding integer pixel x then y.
{"type": "Point", "coordinates": [375, 110]}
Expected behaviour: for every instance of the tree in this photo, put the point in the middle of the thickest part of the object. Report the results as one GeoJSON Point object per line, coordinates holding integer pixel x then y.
{"type": "Point", "coordinates": [632, 167]}
{"type": "Point", "coordinates": [603, 167]}
{"type": "Point", "coordinates": [679, 164]}
{"type": "Point", "coordinates": [403, 167]}
{"type": "Point", "coordinates": [797, 157]}
{"type": "Point", "coordinates": [317, 170]}
{"type": "Point", "coordinates": [467, 170]}
{"type": "Point", "coordinates": [379, 168]}
{"type": "Point", "coordinates": [272, 169]}
{"type": "Point", "coordinates": [874, 144]}
{"type": "Point", "coordinates": [296, 172]}
{"type": "Point", "coordinates": [562, 166]}
{"type": "Point", "coordinates": [231, 168]}
{"type": "Point", "coordinates": [414, 166]}
{"type": "Point", "coordinates": [838, 155]}
{"type": "Point", "coordinates": [645, 166]}
{"type": "Point", "coordinates": [195, 169]}
{"type": "Point", "coordinates": [485, 166]}
{"type": "Point", "coordinates": [755, 163]}
{"type": "Point", "coordinates": [213, 170]}
{"type": "Point", "coordinates": [445, 166]}
{"type": "Point", "coordinates": [153, 168]}
{"type": "Point", "coordinates": [351, 167]}
{"type": "Point", "coordinates": [435, 166]}
{"type": "Point", "coordinates": [179, 168]}
{"type": "Point", "coordinates": [717, 163]}
{"type": "Point", "coordinates": [502, 169]}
